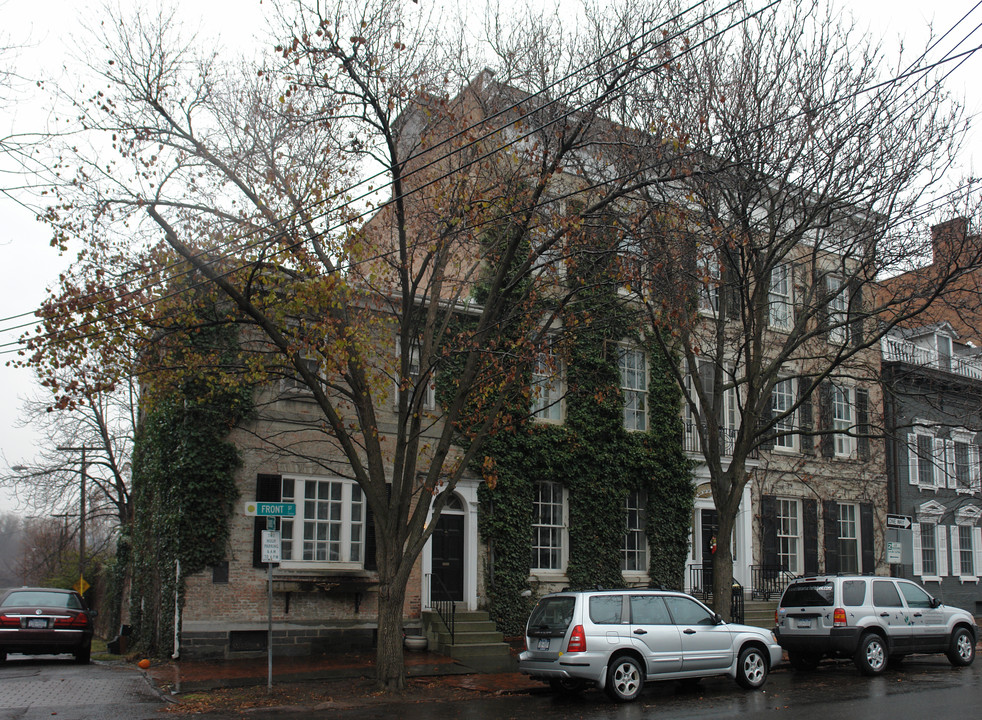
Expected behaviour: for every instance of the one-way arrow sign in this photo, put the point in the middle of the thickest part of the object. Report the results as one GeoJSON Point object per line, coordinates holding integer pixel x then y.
{"type": "Point", "coordinates": [900, 522]}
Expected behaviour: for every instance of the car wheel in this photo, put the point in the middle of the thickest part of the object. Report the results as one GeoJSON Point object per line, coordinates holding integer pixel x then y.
{"type": "Point", "coordinates": [803, 661]}
{"type": "Point", "coordinates": [871, 656]}
{"type": "Point", "coordinates": [566, 686]}
{"type": "Point", "coordinates": [624, 679]}
{"type": "Point", "coordinates": [751, 668]}
{"type": "Point", "coordinates": [961, 649]}
{"type": "Point", "coordinates": [82, 654]}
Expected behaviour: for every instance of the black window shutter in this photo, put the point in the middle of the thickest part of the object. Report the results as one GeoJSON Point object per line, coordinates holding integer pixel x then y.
{"type": "Point", "coordinates": [862, 422]}
{"type": "Point", "coordinates": [822, 306]}
{"type": "Point", "coordinates": [826, 440]}
{"type": "Point", "coordinates": [766, 415]}
{"type": "Point", "coordinates": [866, 531]}
{"type": "Point", "coordinates": [768, 529]}
{"type": "Point", "coordinates": [268, 489]}
{"type": "Point", "coordinates": [806, 421]}
{"type": "Point", "coordinates": [830, 510]}
{"type": "Point", "coordinates": [855, 308]}
{"type": "Point", "coordinates": [809, 512]}
{"type": "Point", "coordinates": [732, 281]}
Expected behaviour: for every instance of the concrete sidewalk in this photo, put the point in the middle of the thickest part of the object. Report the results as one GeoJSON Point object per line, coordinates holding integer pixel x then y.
{"type": "Point", "coordinates": [184, 676]}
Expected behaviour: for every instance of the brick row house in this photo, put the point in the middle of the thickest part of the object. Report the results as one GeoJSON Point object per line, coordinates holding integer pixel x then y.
{"type": "Point", "coordinates": [816, 500]}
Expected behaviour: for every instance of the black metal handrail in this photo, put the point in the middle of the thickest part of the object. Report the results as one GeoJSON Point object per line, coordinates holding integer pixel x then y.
{"type": "Point", "coordinates": [445, 606]}
{"type": "Point", "coordinates": [767, 580]}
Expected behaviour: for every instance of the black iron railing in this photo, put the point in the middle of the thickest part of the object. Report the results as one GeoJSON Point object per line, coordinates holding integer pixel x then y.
{"type": "Point", "coordinates": [442, 601]}
{"type": "Point", "coordinates": [692, 443]}
{"type": "Point", "coordinates": [767, 581]}
{"type": "Point", "coordinates": [701, 586]}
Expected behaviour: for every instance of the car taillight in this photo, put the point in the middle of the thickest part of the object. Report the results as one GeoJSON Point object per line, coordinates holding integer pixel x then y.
{"type": "Point", "coordinates": [839, 617]}
{"type": "Point", "coordinates": [79, 620]}
{"type": "Point", "coordinates": [7, 621]}
{"type": "Point", "coordinates": [777, 620]}
{"type": "Point", "coordinates": [577, 640]}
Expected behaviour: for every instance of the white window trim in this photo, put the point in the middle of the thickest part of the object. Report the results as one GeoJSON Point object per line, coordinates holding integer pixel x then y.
{"type": "Point", "coordinates": [792, 419]}
{"type": "Point", "coordinates": [549, 388]}
{"type": "Point", "coordinates": [799, 535]}
{"type": "Point", "coordinates": [967, 516]}
{"type": "Point", "coordinates": [292, 386]}
{"type": "Point", "coordinates": [627, 347]}
{"type": "Point", "coordinates": [966, 437]}
{"type": "Point", "coordinates": [776, 298]}
{"type": "Point", "coordinates": [555, 573]}
{"type": "Point", "coordinates": [837, 310]}
{"type": "Point", "coordinates": [841, 436]}
{"type": "Point", "coordinates": [930, 514]}
{"type": "Point", "coordinates": [707, 273]}
{"type": "Point", "coordinates": [299, 486]}
{"type": "Point", "coordinates": [857, 523]}
{"type": "Point", "coordinates": [429, 400]}
{"type": "Point", "coordinates": [644, 553]}
{"type": "Point", "coordinates": [938, 456]}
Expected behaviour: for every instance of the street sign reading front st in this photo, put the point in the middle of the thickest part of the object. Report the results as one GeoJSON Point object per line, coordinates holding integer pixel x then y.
{"type": "Point", "coordinates": [900, 522]}
{"type": "Point", "coordinates": [267, 509]}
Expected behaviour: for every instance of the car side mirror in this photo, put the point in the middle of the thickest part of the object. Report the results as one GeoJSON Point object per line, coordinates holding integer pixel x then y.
{"type": "Point", "coordinates": [718, 618]}
{"type": "Point", "coordinates": [935, 602]}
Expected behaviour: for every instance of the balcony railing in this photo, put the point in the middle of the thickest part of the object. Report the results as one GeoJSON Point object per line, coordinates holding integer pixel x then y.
{"type": "Point", "coordinates": [692, 443]}
{"type": "Point", "coordinates": [895, 350]}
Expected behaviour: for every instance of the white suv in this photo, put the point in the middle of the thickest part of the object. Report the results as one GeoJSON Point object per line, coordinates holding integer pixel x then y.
{"type": "Point", "coordinates": [619, 639]}
{"type": "Point", "coordinates": [871, 620]}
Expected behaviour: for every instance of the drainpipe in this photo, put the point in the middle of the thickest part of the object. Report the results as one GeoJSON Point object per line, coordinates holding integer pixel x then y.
{"type": "Point", "coordinates": [177, 610]}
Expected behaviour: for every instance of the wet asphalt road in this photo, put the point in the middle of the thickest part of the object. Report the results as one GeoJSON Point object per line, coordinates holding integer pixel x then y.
{"type": "Point", "coordinates": [924, 689]}
{"type": "Point", "coordinates": [54, 687]}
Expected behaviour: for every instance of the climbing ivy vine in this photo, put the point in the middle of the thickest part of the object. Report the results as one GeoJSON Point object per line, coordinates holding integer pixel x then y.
{"type": "Point", "coordinates": [593, 457]}
{"type": "Point", "coordinates": [183, 493]}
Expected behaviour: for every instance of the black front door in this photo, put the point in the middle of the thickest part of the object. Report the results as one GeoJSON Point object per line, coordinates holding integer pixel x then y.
{"type": "Point", "coordinates": [448, 558]}
{"type": "Point", "coordinates": [710, 526]}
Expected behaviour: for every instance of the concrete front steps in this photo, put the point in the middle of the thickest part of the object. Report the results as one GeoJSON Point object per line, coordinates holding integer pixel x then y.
{"type": "Point", "coordinates": [476, 643]}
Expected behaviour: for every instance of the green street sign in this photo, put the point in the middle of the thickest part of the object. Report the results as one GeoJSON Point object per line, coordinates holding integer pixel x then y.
{"type": "Point", "coordinates": [268, 509]}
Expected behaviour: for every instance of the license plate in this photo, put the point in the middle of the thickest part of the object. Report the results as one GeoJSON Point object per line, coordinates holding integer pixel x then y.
{"type": "Point", "coordinates": [803, 623]}
{"type": "Point", "coordinates": [39, 623]}
{"type": "Point", "coordinates": [543, 644]}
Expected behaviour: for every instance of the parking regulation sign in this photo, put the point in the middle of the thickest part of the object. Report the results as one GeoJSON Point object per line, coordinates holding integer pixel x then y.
{"type": "Point", "coordinates": [271, 546]}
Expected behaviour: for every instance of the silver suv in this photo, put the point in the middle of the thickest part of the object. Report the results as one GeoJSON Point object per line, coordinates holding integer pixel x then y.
{"type": "Point", "coordinates": [870, 619]}
{"type": "Point", "coordinates": [619, 639]}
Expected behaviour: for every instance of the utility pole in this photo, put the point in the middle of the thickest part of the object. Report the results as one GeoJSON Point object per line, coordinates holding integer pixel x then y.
{"type": "Point", "coordinates": [81, 519]}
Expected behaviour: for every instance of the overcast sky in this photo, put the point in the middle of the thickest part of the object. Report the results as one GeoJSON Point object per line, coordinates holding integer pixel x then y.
{"type": "Point", "coordinates": [43, 32]}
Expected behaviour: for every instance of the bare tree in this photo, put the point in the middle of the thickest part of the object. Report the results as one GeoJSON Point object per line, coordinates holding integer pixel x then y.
{"type": "Point", "coordinates": [487, 181]}
{"type": "Point", "coordinates": [808, 160]}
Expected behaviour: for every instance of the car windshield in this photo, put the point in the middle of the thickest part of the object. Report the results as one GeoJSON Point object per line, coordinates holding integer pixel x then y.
{"type": "Point", "coordinates": [40, 598]}
{"type": "Point", "coordinates": [553, 613]}
{"type": "Point", "coordinates": [808, 594]}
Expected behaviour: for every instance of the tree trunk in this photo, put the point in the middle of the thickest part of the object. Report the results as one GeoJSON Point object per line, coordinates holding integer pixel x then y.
{"type": "Point", "coordinates": [723, 565]}
{"type": "Point", "coordinates": [390, 670]}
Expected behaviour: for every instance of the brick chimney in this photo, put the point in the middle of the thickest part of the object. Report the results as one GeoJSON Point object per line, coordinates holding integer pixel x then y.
{"type": "Point", "coordinates": [947, 238]}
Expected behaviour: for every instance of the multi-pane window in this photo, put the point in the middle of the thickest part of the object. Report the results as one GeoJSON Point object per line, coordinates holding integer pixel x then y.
{"type": "Point", "coordinates": [842, 421]}
{"type": "Point", "coordinates": [415, 373]}
{"type": "Point", "coordinates": [330, 523]}
{"type": "Point", "coordinates": [838, 311]}
{"type": "Point", "coordinates": [634, 387]}
{"type": "Point", "coordinates": [929, 550]}
{"type": "Point", "coordinates": [548, 526]}
{"type": "Point", "coordinates": [779, 297]}
{"type": "Point", "coordinates": [708, 281]}
{"type": "Point", "coordinates": [925, 453]}
{"type": "Point", "coordinates": [547, 390]}
{"type": "Point", "coordinates": [848, 539]}
{"type": "Point", "coordinates": [966, 553]}
{"type": "Point", "coordinates": [634, 556]}
{"type": "Point", "coordinates": [963, 461]}
{"type": "Point", "coordinates": [782, 400]}
{"type": "Point", "coordinates": [963, 468]}
{"type": "Point", "coordinates": [788, 534]}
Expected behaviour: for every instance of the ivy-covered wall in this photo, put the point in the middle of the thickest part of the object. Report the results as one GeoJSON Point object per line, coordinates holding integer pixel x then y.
{"type": "Point", "coordinates": [183, 495]}
{"type": "Point", "coordinates": [594, 458]}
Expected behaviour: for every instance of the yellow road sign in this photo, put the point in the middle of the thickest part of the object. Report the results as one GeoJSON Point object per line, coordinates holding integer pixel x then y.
{"type": "Point", "coordinates": [81, 586]}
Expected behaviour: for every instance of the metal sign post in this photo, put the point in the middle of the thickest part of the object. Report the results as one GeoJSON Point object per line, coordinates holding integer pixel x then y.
{"type": "Point", "coordinates": [271, 553]}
